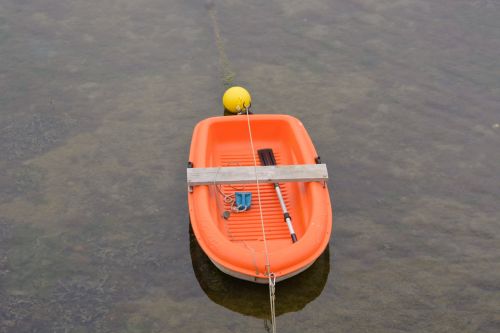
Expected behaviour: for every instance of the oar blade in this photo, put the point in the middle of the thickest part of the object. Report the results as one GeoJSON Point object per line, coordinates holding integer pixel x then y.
{"type": "Point", "coordinates": [266, 156]}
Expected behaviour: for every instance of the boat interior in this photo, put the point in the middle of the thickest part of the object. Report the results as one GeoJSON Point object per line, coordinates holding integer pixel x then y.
{"type": "Point", "coordinates": [228, 144]}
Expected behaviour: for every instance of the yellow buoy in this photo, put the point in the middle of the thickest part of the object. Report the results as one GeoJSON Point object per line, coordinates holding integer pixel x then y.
{"type": "Point", "coordinates": [236, 99]}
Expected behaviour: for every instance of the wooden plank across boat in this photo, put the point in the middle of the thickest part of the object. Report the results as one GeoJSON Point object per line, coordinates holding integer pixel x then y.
{"type": "Point", "coordinates": [222, 163]}
{"type": "Point", "coordinates": [252, 174]}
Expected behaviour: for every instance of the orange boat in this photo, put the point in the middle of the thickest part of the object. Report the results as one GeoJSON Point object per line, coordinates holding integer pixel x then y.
{"type": "Point", "coordinates": [286, 224]}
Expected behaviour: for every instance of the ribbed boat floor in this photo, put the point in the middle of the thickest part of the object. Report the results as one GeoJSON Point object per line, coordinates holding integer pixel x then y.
{"type": "Point", "coordinates": [246, 226]}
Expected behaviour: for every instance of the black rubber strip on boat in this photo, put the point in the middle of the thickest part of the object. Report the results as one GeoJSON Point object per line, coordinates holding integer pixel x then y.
{"type": "Point", "coordinates": [266, 156]}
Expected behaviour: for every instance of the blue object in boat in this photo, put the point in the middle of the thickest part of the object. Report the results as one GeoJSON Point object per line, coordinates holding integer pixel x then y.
{"type": "Point", "coordinates": [243, 200]}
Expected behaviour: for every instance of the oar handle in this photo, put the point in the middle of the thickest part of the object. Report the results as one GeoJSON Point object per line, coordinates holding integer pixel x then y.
{"type": "Point", "coordinates": [288, 220]}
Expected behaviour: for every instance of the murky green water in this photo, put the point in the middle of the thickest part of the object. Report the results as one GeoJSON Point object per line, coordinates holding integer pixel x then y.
{"type": "Point", "coordinates": [97, 103]}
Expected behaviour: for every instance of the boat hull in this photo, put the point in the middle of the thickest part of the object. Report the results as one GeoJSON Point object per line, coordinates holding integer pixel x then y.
{"type": "Point", "coordinates": [238, 245]}
{"type": "Point", "coordinates": [256, 279]}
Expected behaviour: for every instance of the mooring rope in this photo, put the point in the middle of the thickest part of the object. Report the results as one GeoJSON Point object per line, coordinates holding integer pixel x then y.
{"type": "Point", "coordinates": [272, 297]}
{"type": "Point", "coordinates": [271, 277]}
{"type": "Point", "coordinates": [227, 76]}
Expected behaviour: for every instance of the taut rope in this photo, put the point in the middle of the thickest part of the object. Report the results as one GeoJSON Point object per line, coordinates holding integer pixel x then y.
{"type": "Point", "coordinates": [227, 76]}
{"type": "Point", "coordinates": [270, 275]}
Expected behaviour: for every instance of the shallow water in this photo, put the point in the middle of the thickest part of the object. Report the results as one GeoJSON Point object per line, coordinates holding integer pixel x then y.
{"type": "Point", "coordinates": [97, 104]}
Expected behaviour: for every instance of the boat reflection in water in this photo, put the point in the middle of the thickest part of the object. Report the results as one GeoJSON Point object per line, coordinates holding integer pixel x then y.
{"type": "Point", "coordinates": [252, 299]}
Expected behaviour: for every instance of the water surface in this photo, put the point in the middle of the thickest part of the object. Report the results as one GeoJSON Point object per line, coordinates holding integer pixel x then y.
{"type": "Point", "coordinates": [98, 100]}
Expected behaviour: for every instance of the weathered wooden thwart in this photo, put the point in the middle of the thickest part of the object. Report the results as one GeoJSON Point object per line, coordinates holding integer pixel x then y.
{"type": "Point", "coordinates": [264, 174]}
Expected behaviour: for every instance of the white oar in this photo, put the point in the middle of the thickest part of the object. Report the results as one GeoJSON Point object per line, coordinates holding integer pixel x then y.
{"type": "Point", "coordinates": [266, 157]}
